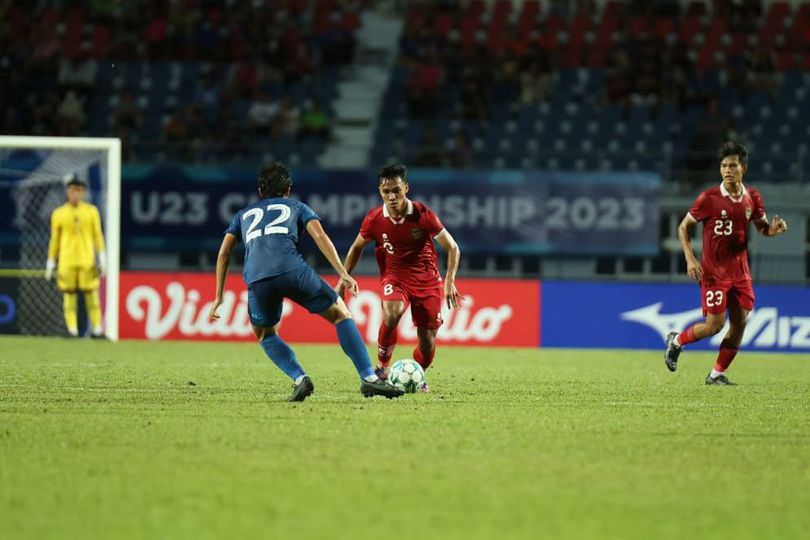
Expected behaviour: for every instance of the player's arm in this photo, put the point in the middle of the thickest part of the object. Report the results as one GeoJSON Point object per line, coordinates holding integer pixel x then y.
{"type": "Point", "coordinates": [53, 247]}
{"type": "Point", "coordinates": [693, 268]}
{"type": "Point", "coordinates": [355, 252]}
{"type": "Point", "coordinates": [98, 243]}
{"type": "Point", "coordinates": [325, 245]}
{"type": "Point", "coordinates": [448, 243]}
{"type": "Point", "coordinates": [776, 226]}
{"type": "Point", "coordinates": [223, 263]}
{"type": "Point", "coordinates": [353, 257]}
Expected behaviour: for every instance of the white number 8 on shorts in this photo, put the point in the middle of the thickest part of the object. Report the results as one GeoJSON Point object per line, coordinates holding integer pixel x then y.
{"type": "Point", "coordinates": [388, 289]}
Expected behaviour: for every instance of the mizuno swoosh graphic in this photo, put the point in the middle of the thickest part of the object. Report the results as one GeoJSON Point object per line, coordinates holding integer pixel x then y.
{"type": "Point", "coordinates": [662, 323]}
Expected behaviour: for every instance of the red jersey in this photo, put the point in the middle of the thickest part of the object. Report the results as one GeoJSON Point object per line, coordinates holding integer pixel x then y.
{"type": "Point", "coordinates": [725, 231]}
{"type": "Point", "coordinates": [404, 247]}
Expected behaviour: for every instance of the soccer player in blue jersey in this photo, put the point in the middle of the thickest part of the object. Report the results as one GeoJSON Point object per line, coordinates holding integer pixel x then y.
{"type": "Point", "coordinates": [274, 270]}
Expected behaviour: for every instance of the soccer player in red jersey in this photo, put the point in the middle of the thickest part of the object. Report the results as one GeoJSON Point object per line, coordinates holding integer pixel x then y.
{"type": "Point", "coordinates": [404, 231]}
{"type": "Point", "coordinates": [723, 273]}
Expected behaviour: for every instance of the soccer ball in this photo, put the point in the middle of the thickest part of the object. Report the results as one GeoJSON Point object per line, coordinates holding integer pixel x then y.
{"type": "Point", "coordinates": [407, 374]}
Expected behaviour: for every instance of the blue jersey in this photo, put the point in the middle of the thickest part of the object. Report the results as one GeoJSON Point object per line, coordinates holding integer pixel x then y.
{"type": "Point", "coordinates": [269, 228]}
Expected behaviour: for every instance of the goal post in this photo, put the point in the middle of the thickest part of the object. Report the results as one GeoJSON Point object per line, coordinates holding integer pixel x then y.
{"type": "Point", "coordinates": [31, 173]}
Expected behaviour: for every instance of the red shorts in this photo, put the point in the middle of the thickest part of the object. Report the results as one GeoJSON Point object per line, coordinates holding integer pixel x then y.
{"type": "Point", "coordinates": [716, 297]}
{"type": "Point", "coordinates": [426, 304]}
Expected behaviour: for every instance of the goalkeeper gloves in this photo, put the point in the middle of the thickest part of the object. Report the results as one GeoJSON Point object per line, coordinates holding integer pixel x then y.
{"type": "Point", "coordinates": [102, 263]}
{"type": "Point", "coordinates": [50, 266]}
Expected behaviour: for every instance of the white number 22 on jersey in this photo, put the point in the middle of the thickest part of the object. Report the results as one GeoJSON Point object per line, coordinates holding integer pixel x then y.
{"type": "Point", "coordinates": [256, 214]}
{"type": "Point", "coordinates": [722, 227]}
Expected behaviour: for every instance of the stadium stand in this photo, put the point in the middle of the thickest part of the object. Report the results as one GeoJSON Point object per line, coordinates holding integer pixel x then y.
{"type": "Point", "coordinates": [637, 85]}
{"type": "Point", "coordinates": [515, 84]}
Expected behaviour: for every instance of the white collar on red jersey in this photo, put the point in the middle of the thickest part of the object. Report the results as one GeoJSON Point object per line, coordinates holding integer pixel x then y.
{"type": "Point", "coordinates": [408, 212]}
{"type": "Point", "coordinates": [725, 193]}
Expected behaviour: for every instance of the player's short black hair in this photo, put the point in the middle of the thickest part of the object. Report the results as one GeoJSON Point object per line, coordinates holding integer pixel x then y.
{"type": "Point", "coordinates": [396, 170]}
{"type": "Point", "coordinates": [274, 180]}
{"type": "Point", "coordinates": [74, 180]}
{"type": "Point", "coordinates": [732, 148]}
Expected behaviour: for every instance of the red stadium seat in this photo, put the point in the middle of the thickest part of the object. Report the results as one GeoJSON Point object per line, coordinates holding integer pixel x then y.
{"type": "Point", "coordinates": [786, 60]}
{"type": "Point", "coordinates": [637, 26]}
{"type": "Point", "coordinates": [697, 7]}
{"type": "Point", "coordinates": [444, 23]}
{"type": "Point", "coordinates": [690, 26]}
{"type": "Point", "coordinates": [663, 27]}
{"type": "Point", "coordinates": [100, 46]}
{"type": "Point", "coordinates": [580, 25]}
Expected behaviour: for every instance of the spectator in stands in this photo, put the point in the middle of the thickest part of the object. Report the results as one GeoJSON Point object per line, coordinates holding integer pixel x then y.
{"type": "Point", "coordinates": [474, 95]}
{"type": "Point", "coordinates": [44, 113]}
{"type": "Point", "coordinates": [337, 42]}
{"type": "Point", "coordinates": [300, 64]}
{"type": "Point", "coordinates": [763, 75]}
{"type": "Point", "coordinates": [430, 152]}
{"type": "Point", "coordinates": [47, 45]}
{"type": "Point", "coordinates": [534, 85]}
{"type": "Point", "coordinates": [70, 115]}
{"type": "Point", "coordinates": [207, 96]}
{"type": "Point", "coordinates": [423, 88]}
{"type": "Point", "coordinates": [461, 154]}
{"type": "Point", "coordinates": [156, 31]}
{"type": "Point", "coordinates": [287, 118]}
{"type": "Point", "coordinates": [618, 78]}
{"type": "Point", "coordinates": [315, 124]}
{"type": "Point", "coordinates": [261, 113]}
{"type": "Point", "coordinates": [78, 75]}
{"type": "Point", "coordinates": [127, 115]}
{"type": "Point", "coordinates": [245, 79]}
{"type": "Point", "coordinates": [174, 128]}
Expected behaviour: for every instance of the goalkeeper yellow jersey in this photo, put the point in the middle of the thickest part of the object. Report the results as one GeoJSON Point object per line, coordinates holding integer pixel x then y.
{"type": "Point", "coordinates": [75, 235]}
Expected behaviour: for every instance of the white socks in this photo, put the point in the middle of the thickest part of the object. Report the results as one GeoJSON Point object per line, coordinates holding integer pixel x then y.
{"type": "Point", "coordinates": [715, 373]}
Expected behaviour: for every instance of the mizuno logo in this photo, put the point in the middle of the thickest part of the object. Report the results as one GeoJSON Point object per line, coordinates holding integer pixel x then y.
{"type": "Point", "coordinates": [765, 327]}
{"type": "Point", "coordinates": [662, 324]}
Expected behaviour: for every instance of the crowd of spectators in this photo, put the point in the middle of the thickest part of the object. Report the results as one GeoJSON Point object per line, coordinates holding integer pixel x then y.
{"type": "Point", "coordinates": [51, 51]}
{"type": "Point", "coordinates": [464, 60]}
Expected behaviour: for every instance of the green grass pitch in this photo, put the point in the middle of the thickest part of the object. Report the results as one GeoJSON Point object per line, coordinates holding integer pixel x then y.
{"type": "Point", "coordinates": [180, 440]}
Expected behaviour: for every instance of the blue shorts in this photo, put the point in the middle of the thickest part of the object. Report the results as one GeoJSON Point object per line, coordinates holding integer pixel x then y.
{"type": "Point", "coordinates": [304, 287]}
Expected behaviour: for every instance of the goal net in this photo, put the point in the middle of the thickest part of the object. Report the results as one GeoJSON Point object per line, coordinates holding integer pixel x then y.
{"type": "Point", "coordinates": [33, 172]}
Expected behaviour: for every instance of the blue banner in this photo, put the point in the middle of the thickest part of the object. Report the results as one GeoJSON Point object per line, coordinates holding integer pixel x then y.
{"type": "Point", "coordinates": [639, 316]}
{"type": "Point", "coordinates": [487, 212]}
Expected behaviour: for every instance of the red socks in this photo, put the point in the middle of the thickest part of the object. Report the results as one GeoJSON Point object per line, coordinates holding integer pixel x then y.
{"type": "Point", "coordinates": [386, 341]}
{"type": "Point", "coordinates": [725, 357]}
{"type": "Point", "coordinates": [687, 336]}
{"type": "Point", "coordinates": [423, 360]}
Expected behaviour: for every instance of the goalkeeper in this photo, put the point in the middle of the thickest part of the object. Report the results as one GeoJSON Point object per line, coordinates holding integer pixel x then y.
{"type": "Point", "coordinates": [76, 252]}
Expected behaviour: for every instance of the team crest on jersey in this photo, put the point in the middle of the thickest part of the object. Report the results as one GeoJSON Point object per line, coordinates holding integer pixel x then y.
{"type": "Point", "coordinates": [748, 212]}
{"type": "Point", "coordinates": [416, 233]}
{"type": "Point", "coordinates": [723, 213]}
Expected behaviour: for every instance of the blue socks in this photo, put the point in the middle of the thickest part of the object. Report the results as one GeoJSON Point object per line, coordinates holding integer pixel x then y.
{"type": "Point", "coordinates": [350, 341]}
{"type": "Point", "coordinates": [283, 356]}
{"type": "Point", "coordinates": [354, 347]}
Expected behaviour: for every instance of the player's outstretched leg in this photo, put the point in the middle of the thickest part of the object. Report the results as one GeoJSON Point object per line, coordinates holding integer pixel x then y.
{"type": "Point", "coordinates": [352, 344]}
{"type": "Point", "coordinates": [673, 351]}
{"type": "Point", "coordinates": [284, 358]}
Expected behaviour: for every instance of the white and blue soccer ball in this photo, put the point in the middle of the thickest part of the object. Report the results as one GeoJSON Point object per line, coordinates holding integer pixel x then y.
{"type": "Point", "coordinates": [407, 374]}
